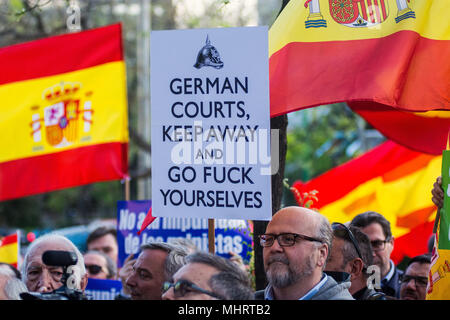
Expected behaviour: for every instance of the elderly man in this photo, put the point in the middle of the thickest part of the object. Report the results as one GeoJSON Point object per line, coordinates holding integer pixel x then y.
{"type": "Point", "coordinates": [42, 278]}
{"type": "Point", "coordinates": [207, 277]}
{"type": "Point", "coordinates": [295, 250]}
{"type": "Point", "coordinates": [415, 279]}
{"type": "Point", "coordinates": [378, 229]}
{"type": "Point", "coordinates": [156, 264]}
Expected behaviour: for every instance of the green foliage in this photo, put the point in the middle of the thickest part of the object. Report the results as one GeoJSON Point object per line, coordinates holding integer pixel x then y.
{"type": "Point", "coordinates": [317, 141]}
{"type": "Point", "coordinates": [72, 206]}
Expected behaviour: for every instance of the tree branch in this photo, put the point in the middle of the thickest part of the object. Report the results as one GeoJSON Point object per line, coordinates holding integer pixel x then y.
{"type": "Point", "coordinates": [140, 141]}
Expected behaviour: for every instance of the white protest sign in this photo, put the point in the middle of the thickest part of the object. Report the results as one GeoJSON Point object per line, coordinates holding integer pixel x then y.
{"type": "Point", "coordinates": [211, 123]}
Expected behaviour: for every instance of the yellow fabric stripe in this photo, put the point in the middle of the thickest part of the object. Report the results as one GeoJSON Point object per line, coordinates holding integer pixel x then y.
{"type": "Point", "coordinates": [8, 253]}
{"type": "Point", "coordinates": [101, 89]}
{"type": "Point", "coordinates": [392, 199]}
{"type": "Point", "coordinates": [431, 21]}
{"type": "Point", "coordinates": [433, 114]}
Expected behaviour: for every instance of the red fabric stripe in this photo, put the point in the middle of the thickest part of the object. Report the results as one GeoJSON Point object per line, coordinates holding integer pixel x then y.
{"type": "Point", "coordinates": [349, 175]}
{"type": "Point", "coordinates": [383, 9]}
{"type": "Point", "coordinates": [413, 243]}
{"type": "Point", "coordinates": [419, 133]}
{"type": "Point", "coordinates": [377, 10]}
{"type": "Point", "coordinates": [61, 54]}
{"type": "Point", "coordinates": [9, 239]}
{"type": "Point", "coordinates": [371, 15]}
{"type": "Point", "coordinates": [28, 176]}
{"type": "Point", "coordinates": [411, 73]}
{"type": "Point", "coordinates": [149, 218]}
{"type": "Point", "coordinates": [363, 9]}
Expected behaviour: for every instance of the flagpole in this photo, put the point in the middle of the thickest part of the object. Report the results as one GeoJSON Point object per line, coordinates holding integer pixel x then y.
{"type": "Point", "coordinates": [211, 236]}
{"type": "Point", "coordinates": [127, 188]}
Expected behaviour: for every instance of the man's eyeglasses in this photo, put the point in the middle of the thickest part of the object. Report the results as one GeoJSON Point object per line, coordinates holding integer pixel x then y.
{"type": "Point", "coordinates": [418, 281]}
{"type": "Point", "coordinates": [94, 269]}
{"type": "Point", "coordinates": [342, 231]}
{"type": "Point", "coordinates": [284, 239]}
{"type": "Point", "coordinates": [379, 245]}
{"type": "Point", "coordinates": [183, 287]}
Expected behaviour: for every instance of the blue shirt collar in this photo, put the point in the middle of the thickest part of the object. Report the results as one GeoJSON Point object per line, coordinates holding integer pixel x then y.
{"type": "Point", "coordinates": [391, 271]}
{"type": "Point", "coordinates": [268, 292]}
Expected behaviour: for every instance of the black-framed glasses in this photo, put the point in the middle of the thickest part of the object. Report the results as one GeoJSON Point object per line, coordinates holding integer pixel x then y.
{"type": "Point", "coordinates": [93, 268]}
{"type": "Point", "coordinates": [379, 245]}
{"type": "Point", "coordinates": [284, 239]}
{"type": "Point", "coordinates": [418, 281]}
{"type": "Point", "coordinates": [337, 227]}
{"type": "Point", "coordinates": [183, 287]}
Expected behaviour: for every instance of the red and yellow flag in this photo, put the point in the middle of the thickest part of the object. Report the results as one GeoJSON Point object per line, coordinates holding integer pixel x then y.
{"type": "Point", "coordinates": [63, 115]}
{"type": "Point", "coordinates": [391, 180]}
{"type": "Point", "coordinates": [9, 249]}
{"type": "Point", "coordinates": [439, 274]}
{"type": "Point", "coordinates": [380, 56]}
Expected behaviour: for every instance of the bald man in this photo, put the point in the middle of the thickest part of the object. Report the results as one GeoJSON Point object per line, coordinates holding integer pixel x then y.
{"type": "Point", "coordinates": [295, 249]}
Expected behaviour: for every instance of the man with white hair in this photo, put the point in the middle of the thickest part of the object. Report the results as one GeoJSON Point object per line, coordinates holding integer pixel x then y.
{"type": "Point", "coordinates": [42, 278]}
{"type": "Point", "coordinates": [10, 284]}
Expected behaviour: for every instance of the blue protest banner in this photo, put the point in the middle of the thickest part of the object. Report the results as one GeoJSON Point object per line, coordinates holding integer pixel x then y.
{"type": "Point", "coordinates": [230, 235]}
{"type": "Point", "coordinates": [100, 289]}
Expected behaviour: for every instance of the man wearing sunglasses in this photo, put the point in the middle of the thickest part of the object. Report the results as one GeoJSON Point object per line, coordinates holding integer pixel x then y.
{"type": "Point", "coordinates": [415, 279]}
{"type": "Point", "coordinates": [378, 229]}
{"type": "Point", "coordinates": [208, 277]}
{"type": "Point", "coordinates": [295, 250]}
{"type": "Point", "coordinates": [99, 265]}
{"type": "Point", "coordinates": [351, 254]}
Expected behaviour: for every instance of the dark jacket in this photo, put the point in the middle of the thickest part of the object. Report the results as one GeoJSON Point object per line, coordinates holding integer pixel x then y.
{"type": "Point", "coordinates": [369, 294]}
{"type": "Point", "coordinates": [392, 287]}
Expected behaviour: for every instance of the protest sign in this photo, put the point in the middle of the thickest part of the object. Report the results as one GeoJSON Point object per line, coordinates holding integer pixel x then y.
{"type": "Point", "coordinates": [230, 235]}
{"type": "Point", "coordinates": [102, 289]}
{"type": "Point", "coordinates": [211, 124]}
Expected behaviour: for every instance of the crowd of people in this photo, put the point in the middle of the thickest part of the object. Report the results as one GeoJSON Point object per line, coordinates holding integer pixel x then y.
{"type": "Point", "coordinates": [305, 258]}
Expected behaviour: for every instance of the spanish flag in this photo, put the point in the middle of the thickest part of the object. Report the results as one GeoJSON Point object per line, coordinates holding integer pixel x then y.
{"type": "Point", "coordinates": [63, 115]}
{"type": "Point", "coordinates": [9, 249]}
{"type": "Point", "coordinates": [389, 179]}
{"type": "Point", "coordinates": [388, 59]}
{"type": "Point", "coordinates": [439, 274]}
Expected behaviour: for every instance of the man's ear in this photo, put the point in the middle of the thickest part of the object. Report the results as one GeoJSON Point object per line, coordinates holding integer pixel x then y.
{"type": "Point", "coordinates": [323, 254]}
{"type": "Point", "coordinates": [357, 267]}
{"type": "Point", "coordinates": [391, 242]}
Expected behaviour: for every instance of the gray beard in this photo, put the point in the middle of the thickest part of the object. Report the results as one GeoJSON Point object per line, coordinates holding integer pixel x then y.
{"type": "Point", "coordinates": [282, 275]}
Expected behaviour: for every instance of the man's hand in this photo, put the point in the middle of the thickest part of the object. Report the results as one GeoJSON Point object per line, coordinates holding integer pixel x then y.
{"type": "Point", "coordinates": [438, 193]}
{"type": "Point", "coordinates": [125, 272]}
{"type": "Point", "coordinates": [238, 260]}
